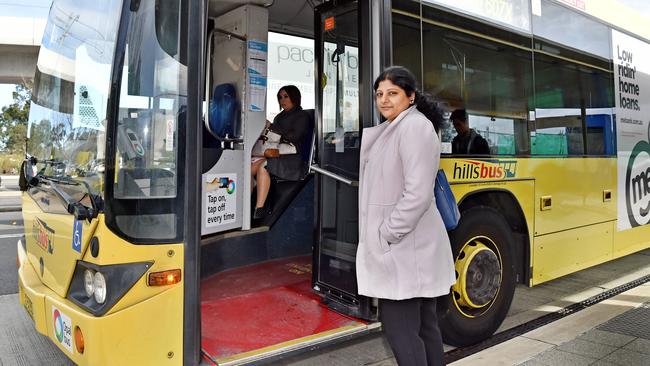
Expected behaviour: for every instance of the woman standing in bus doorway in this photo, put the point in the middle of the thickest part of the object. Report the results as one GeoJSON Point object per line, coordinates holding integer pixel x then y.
{"type": "Point", "coordinates": [404, 257]}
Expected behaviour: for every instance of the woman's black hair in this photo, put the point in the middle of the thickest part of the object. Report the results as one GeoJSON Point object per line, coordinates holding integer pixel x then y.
{"type": "Point", "coordinates": [402, 77]}
{"type": "Point", "coordinates": [294, 94]}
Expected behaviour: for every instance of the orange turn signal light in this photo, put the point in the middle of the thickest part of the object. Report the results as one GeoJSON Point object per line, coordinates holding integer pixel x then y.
{"type": "Point", "coordinates": [165, 278]}
{"type": "Point", "coordinates": [79, 340]}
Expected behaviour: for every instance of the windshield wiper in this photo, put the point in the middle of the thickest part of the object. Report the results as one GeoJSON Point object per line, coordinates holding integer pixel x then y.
{"type": "Point", "coordinates": [75, 207]}
{"type": "Point", "coordinates": [72, 206]}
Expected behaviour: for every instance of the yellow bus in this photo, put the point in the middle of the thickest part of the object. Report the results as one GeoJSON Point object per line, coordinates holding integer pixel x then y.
{"type": "Point", "coordinates": [140, 248]}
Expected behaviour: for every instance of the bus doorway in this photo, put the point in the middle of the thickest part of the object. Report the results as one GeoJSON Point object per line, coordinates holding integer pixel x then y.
{"type": "Point", "coordinates": [290, 282]}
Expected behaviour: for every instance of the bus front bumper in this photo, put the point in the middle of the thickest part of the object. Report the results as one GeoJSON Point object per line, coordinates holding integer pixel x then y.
{"type": "Point", "coordinates": [126, 337]}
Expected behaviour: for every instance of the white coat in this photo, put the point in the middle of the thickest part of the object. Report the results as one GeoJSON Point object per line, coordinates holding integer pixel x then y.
{"type": "Point", "coordinates": [404, 249]}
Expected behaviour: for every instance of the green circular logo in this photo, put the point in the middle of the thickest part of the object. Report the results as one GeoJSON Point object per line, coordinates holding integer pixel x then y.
{"type": "Point", "coordinates": [58, 325]}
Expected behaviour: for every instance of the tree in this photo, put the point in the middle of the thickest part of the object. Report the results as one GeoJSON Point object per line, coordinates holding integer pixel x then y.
{"type": "Point", "coordinates": [13, 121]}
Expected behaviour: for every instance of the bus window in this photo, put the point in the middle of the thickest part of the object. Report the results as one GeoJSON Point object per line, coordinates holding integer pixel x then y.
{"type": "Point", "coordinates": [406, 27]}
{"type": "Point", "coordinates": [502, 134]}
{"type": "Point", "coordinates": [167, 25]}
{"type": "Point", "coordinates": [569, 28]}
{"type": "Point", "coordinates": [568, 93]}
{"type": "Point", "coordinates": [560, 132]}
{"type": "Point", "coordinates": [341, 94]}
{"type": "Point", "coordinates": [150, 103]}
{"type": "Point", "coordinates": [290, 62]}
{"type": "Point", "coordinates": [600, 132]}
{"type": "Point", "coordinates": [489, 78]}
{"type": "Point", "coordinates": [557, 135]}
{"type": "Point", "coordinates": [573, 85]}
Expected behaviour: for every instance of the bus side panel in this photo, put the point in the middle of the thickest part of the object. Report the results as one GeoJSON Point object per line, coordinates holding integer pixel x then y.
{"type": "Point", "coordinates": [631, 240]}
{"type": "Point", "coordinates": [522, 190]}
{"type": "Point", "coordinates": [568, 251]}
{"type": "Point", "coordinates": [576, 188]}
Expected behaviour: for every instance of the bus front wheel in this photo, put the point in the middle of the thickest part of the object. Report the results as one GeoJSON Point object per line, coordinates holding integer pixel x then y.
{"type": "Point", "coordinates": [485, 278]}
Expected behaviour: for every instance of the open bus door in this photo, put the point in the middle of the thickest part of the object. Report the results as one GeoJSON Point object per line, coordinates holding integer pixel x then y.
{"type": "Point", "coordinates": [352, 46]}
{"type": "Point", "coordinates": [341, 64]}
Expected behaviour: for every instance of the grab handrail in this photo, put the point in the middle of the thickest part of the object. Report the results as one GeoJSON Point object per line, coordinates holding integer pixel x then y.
{"type": "Point", "coordinates": [340, 178]}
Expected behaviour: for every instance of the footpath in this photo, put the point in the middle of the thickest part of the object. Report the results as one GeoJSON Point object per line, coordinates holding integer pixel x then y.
{"type": "Point", "coordinates": [615, 331]}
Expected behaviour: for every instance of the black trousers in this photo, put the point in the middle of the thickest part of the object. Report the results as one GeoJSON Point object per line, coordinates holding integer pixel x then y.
{"type": "Point", "coordinates": [411, 328]}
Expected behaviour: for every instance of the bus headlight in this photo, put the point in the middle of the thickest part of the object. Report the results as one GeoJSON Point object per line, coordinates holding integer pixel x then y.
{"type": "Point", "coordinates": [89, 279]}
{"type": "Point", "coordinates": [97, 288]}
{"type": "Point", "coordinates": [99, 284]}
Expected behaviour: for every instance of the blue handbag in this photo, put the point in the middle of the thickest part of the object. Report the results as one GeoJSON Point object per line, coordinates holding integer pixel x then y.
{"type": "Point", "coordinates": [446, 202]}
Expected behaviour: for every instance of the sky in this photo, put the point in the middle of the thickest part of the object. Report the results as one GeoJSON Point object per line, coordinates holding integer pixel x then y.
{"type": "Point", "coordinates": [5, 94]}
{"type": "Point", "coordinates": [643, 6]}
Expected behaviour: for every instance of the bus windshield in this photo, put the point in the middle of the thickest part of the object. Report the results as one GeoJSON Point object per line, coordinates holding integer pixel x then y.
{"type": "Point", "coordinates": [67, 122]}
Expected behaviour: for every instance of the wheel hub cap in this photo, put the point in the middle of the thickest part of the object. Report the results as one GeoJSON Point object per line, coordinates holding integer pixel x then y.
{"type": "Point", "coordinates": [479, 275]}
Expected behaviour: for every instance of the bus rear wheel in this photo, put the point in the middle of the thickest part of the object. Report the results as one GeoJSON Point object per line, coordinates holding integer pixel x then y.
{"type": "Point", "coordinates": [485, 278]}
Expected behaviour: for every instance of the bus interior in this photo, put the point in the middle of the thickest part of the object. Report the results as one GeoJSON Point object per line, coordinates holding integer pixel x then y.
{"type": "Point", "coordinates": [258, 279]}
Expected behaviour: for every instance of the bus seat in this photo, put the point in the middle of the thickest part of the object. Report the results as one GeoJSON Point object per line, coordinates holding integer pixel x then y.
{"type": "Point", "coordinates": [224, 111]}
{"type": "Point", "coordinates": [212, 150]}
{"type": "Point", "coordinates": [307, 148]}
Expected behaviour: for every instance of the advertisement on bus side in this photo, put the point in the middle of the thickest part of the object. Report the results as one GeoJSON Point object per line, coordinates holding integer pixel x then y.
{"type": "Point", "coordinates": [632, 95]}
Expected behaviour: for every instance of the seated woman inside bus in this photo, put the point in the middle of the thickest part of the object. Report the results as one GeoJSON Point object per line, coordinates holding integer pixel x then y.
{"type": "Point", "coordinates": [292, 124]}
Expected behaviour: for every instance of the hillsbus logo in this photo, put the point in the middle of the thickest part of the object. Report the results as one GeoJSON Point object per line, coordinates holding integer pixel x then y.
{"type": "Point", "coordinates": [485, 169]}
{"type": "Point", "coordinates": [637, 185]}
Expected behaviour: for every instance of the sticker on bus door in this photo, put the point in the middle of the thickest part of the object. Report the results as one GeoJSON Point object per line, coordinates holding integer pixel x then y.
{"type": "Point", "coordinates": [220, 199]}
{"type": "Point", "coordinates": [62, 327]}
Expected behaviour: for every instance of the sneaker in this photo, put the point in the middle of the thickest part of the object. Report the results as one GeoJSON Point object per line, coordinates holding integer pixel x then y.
{"type": "Point", "coordinates": [259, 213]}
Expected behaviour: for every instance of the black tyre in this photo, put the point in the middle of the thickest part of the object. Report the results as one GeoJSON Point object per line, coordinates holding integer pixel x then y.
{"type": "Point", "coordinates": [485, 278]}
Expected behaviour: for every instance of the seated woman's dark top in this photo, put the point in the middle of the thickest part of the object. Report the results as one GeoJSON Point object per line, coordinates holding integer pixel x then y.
{"type": "Point", "coordinates": [292, 125]}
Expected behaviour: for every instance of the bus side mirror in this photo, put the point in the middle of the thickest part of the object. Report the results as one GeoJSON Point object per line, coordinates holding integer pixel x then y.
{"type": "Point", "coordinates": [27, 174]}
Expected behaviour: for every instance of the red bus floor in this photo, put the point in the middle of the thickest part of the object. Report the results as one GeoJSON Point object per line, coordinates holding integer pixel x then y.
{"type": "Point", "coordinates": [262, 305]}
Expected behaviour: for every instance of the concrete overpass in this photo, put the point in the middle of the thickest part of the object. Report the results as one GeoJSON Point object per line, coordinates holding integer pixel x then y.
{"type": "Point", "coordinates": [17, 63]}
{"type": "Point", "coordinates": [20, 39]}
